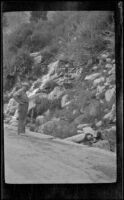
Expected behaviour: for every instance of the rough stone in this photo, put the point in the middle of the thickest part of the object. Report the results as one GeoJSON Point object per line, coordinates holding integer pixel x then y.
{"type": "Point", "coordinates": [111, 115]}
{"type": "Point", "coordinates": [88, 130]}
{"type": "Point", "coordinates": [112, 71]}
{"type": "Point", "coordinates": [108, 60]}
{"type": "Point", "coordinates": [110, 95]}
{"type": "Point", "coordinates": [81, 126]}
{"type": "Point", "coordinates": [100, 89]}
{"type": "Point", "coordinates": [108, 66]}
{"type": "Point", "coordinates": [113, 61]}
{"type": "Point", "coordinates": [65, 101]}
{"type": "Point", "coordinates": [56, 93]}
{"type": "Point", "coordinates": [92, 76]}
{"type": "Point", "coordinates": [98, 124]}
{"type": "Point", "coordinates": [38, 59]}
{"type": "Point", "coordinates": [98, 81]}
{"type": "Point", "coordinates": [58, 128]}
{"type": "Point", "coordinates": [105, 55]}
{"type": "Point", "coordinates": [95, 67]}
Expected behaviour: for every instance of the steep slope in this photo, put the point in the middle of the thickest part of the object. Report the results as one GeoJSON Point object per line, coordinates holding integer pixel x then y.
{"type": "Point", "coordinates": [68, 97]}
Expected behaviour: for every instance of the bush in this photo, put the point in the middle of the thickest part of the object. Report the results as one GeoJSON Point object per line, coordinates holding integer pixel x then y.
{"type": "Point", "coordinates": [23, 63]}
{"type": "Point", "coordinates": [40, 39]}
{"type": "Point", "coordinates": [21, 37]}
{"type": "Point", "coordinates": [55, 104]}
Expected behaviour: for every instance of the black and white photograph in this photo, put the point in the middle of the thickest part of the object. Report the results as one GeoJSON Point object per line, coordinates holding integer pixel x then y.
{"type": "Point", "coordinates": [59, 97]}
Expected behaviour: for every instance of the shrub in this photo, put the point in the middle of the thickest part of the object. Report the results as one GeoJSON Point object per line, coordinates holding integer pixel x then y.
{"type": "Point", "coordinates": [55, 104]}
{"type": "Point", "coordinates": [40, 39]}
{"type": "Point", "coordinates": [23, 63]}
{"type": "Point", "coordinates": [20, 37]}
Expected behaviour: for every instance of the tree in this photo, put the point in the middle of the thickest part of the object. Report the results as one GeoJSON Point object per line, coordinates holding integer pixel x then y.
{"type": "Point", "coordinates": [36, 15]}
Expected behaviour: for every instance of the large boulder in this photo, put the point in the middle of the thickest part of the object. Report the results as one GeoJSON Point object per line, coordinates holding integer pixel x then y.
{"type": "Point", "coordinates": [58, 128]}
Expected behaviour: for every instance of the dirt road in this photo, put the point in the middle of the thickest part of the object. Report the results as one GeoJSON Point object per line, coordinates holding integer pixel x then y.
{"type": "Point", "coordinates": [45, 160]}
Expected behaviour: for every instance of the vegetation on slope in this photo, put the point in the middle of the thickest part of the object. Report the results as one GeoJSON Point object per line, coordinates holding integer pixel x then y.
{"type": "Point", "coordinates": [80, 36]}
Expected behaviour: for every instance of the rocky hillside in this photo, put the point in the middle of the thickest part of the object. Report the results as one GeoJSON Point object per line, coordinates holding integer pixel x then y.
{"type": "Point", "coordinates": [68, 59]}
{"type": "Point", "coordinates": [73, 101]}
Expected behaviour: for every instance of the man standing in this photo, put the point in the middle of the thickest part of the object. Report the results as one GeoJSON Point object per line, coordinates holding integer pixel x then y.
{"type": "Point", "coordinates": [21, 97]}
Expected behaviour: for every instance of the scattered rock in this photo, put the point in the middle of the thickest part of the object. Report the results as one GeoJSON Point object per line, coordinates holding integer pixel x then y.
{"type": "Point", "coordinates": [110, 96]}
{"type": "Point", "coordinates": [111, 115]}
{"type": "Point", "coordinates": [92, 76]}
{"type": "Point", "coordinates": [112, 71]}
{"type": "Point", "coordinates": [38, 59]}
{"type": "Point", "coordinates": [98, 81]}
{"type": "Point", "coordinates": [56, 93]}
{"type": "Point", "coordinates": [113, 61]}
{"type": "Point", "coordinates": [81, 126]}
{"type": "Point", "coordinates": [108, 60]}
{"type": "Point", "coordinates": [79, 138]}
{"type": "Point", "coordinates": [95, 67]}
{"type": "Point", "coordinates": [100, 92]}
{"type": "Point", "coordinates": [112, 79]}
{"type": "Point", "coordinates": [105, 55]}
{"type": "Point", "coordinates": [65, 101]}
{"type": "Point", "coordinates": [89, 130]}
{"type": "Point", "coordinates": [108, 66]}
{"type": "Point", "coordinates": [7, 120]}
{"type": "Point", "coordinates": [98, 124]}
